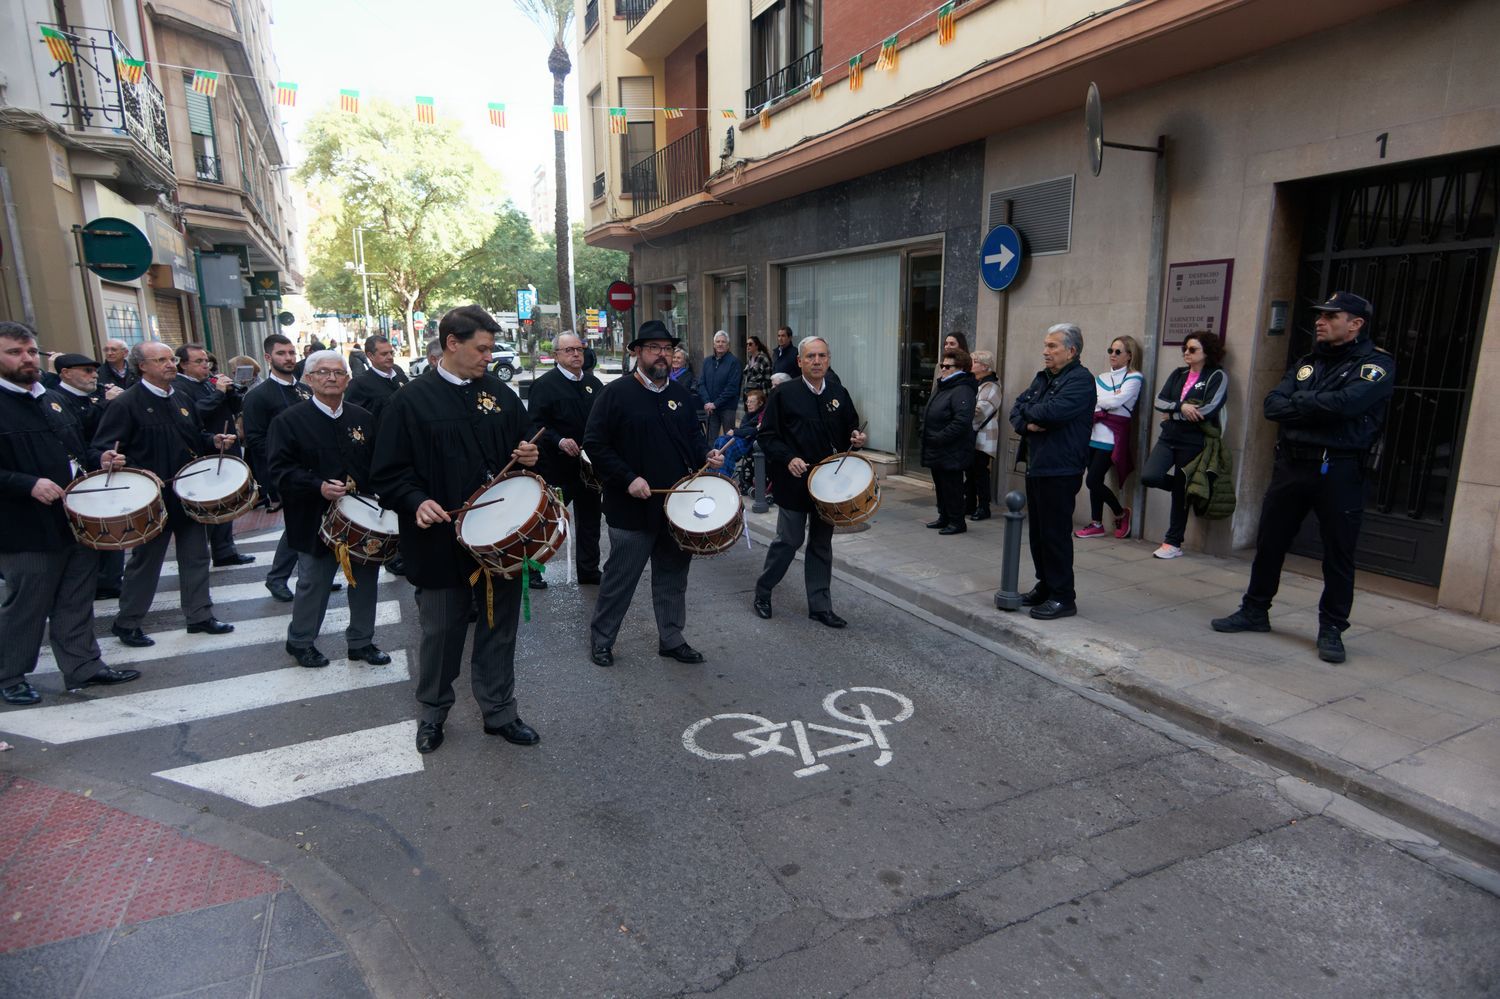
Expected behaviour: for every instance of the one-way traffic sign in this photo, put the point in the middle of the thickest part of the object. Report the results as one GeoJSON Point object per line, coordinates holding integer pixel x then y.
{"type": "Point", "coordinates": [1000, 257]}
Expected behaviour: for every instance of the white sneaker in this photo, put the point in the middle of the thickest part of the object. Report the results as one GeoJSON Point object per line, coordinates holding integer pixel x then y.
{"type": "Point", "coordinates": [1168, 551]}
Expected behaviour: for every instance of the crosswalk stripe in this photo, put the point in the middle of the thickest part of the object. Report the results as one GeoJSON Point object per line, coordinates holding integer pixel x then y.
{"type": "Point", "coordinates": [169, 567]}
{"type": "Point", "coordinates": [276, 776]}
{"type": "Point", "coordinates": [250, 539]}
{"type": "Point", "coordinates": [121, 713]}
{"type": "Point", "coordinates": [172, 600]}
{"type": "Point", "coordinates": [180, 643]}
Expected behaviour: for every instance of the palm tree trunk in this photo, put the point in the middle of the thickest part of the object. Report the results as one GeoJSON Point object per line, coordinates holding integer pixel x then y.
{"type": "Point", "coordinates": [560, 222]}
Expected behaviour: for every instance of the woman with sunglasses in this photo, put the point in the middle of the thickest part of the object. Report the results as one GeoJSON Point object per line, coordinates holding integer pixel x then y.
{"type": "Point", "coordinates": [948, 437]}
{"type": "Point", "coordinates": [1119, 389]}
{"type": "Point", "coordinates": [1192, 397]}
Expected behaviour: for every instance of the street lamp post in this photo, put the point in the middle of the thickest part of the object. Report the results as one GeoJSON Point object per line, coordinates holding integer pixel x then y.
{"type": "Point", "coordinates": [358, 265]}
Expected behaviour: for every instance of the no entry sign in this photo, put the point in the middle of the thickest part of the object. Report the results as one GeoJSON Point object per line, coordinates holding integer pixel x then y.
{"type": "Point", "coordinates": [621, 297]}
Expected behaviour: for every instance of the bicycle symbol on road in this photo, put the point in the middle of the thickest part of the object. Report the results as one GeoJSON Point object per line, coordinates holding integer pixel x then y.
{"type": "Point", "coordinates": [765, 735]}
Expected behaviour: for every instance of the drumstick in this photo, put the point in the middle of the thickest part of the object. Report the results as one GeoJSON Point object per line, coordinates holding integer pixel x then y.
{"type": "Point", "coordinates": [664, 492]}
{"type": "Point", "coordinates": [474, 506]}
{"type": "Point", "coordinates": [859, 430]}
{"type": "Point", "coordinates": [220, 467]}
{"type": "Point", "coordinates": [186, 474]}
{"type": "Point", "coordinates": [512, 462]}
{"type": "Point", "coordinates": [111, 473]}
{"type": "Point", "coordinates": [101, 489]}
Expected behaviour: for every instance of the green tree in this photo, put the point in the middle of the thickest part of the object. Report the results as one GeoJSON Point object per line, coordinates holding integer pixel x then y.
{"type": "Point", "coordinates": [510, 257]}
{"type": "Point", "coordinates": [555, 18]}
{"type": "Point", "coordinates": [423, 195]}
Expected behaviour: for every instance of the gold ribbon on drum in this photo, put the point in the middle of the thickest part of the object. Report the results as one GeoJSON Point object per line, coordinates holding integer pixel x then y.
{"type": "Point", "coordinates": [341, 552]}
{"type": "Point", "coordinates": [489, 592]}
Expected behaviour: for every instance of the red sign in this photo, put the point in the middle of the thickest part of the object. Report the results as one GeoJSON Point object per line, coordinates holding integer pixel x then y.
{"type": "Point", "coordinates": [621, 297]}
{"type": "Point", "coordinates": [419, 324]}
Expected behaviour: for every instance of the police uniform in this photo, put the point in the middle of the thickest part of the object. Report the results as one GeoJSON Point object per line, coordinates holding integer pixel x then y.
{"type": "Point", "coordinates": [1331, 406]}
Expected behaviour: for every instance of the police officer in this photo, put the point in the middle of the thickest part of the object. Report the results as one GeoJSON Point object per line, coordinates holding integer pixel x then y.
{"type": "Point", "coordinates": [1331, 406]}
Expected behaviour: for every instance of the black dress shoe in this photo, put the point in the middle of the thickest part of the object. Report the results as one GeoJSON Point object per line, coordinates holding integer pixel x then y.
{"type": "Point", "coordinates": [536, 582]}
{"type": "Point", "coordinates": [396, 566]}
{"type": "Point", "coordinates": [762, 608]}
{"type": "Point", "coordinates": [829, 618]}
{"type": "Point", "coordinates": [429, 736]}
{"type": "Point", "coordinates": [336, 587]}
{"type": "Point", "coordinates": [21, 692]}
{"type": "Point", "coordinates": [684, 653]}
{"type": "Point", "coordinates": [934, 525]}
{"type": "Point", "coordinates": [107, 593]}
{"type": "Point", "coordinates": [370, 654]}
{"type": "Point", "coordinates": [280, 591]}
{"type": "Point", "coordinates": [1053, 609]}
{"type": "Point", "coordinates": [517, 732]}
{"type": "Point", "coordinates": [586, 578]}
{"type": "Point", "coordinates": [238, 558]}
{"type": "Point", "coordinates": [1033, 597]}
{"type": "Point", "coordinates": [308, 657]}
{"type": "Point", "coordinates": [133, 637]}
{"type": "Point", "coordinates": [983, 513]}
{"type": "Point", "coordinates": [213, 626]}
{"type": "Point", "coordinates": [108, 677]}
{"type": "Point", "coordinates": [603, 655]}
{"type": "Point", "coordinates": [954, 529]}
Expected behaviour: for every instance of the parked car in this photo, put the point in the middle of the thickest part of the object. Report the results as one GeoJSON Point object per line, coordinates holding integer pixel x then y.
{"type": "Point", "coordinates": [503, 361]}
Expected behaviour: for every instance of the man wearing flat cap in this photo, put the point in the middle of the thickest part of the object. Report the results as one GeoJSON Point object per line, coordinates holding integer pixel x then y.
{"type": "Point", "coordinates": [1331, 406]}
{"type": "Point", "coordinates": [83, 396]}
{"type": "Point", "coordinates": [642, 435]}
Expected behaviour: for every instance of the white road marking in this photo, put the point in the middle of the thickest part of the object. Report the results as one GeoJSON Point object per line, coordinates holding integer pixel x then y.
{"type": "Point", "coordinates": [238, 592]}
{"type": "Point", "coordinates": [276, 776]}
{"type": "Point", "coordinates": [118, 714]}
{"type": "Point", "coordinates": [179, 643]}
{"type": "Point", "coordinates": [250, 539]}
{"type": "Point", "coordinates": [169, 567]}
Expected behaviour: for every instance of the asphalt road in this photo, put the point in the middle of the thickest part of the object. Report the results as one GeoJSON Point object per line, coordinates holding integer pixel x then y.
{"type": "Point", "coordinates": [1005, 837]}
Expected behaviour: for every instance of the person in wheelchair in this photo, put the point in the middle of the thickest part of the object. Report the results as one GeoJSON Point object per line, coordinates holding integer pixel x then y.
{"type": "Point", "coordinates": [737, 443]}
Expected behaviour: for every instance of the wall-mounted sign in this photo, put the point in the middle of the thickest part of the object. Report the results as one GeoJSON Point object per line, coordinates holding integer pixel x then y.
{"type": "Point", "coordinates": [266, 284]}
{"type": "Point", "coordinates": [222, 286]}
{"type": "Point", "coordinates": [116, 250]}
{"type": "Point", "coordinates": [1197, 299]}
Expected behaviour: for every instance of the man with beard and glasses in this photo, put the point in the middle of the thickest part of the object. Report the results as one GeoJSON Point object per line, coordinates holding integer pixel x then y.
{"type": "Point", "coordinates": [275, 395]}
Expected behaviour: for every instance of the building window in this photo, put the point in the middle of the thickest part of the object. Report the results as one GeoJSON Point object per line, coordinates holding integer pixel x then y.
{"type": "Point", "coordinates": [785, 48]}
{"type": "Point", "coordinates": [200, 109]}
{"type": "Point", "coordinates": [730, 314]}
{"type": "Point", "coordinates": [638, 97]}
{"type": "Point", "coordinates": [122, 315]}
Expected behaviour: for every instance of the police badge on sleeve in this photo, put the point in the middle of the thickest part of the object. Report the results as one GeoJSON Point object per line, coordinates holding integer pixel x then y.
{"type": "Point", "coordinates": [1371, 372]}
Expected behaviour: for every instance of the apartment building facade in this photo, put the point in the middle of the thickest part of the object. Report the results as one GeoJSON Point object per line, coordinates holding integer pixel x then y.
{"type": "Point", "coordinates": [1350, 144]}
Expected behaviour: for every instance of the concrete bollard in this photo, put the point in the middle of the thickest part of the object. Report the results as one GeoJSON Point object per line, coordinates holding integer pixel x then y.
{"type": "Point", "coordinates": [758, 504]}
{"type": "Point", "coordinates": [1008, 597]}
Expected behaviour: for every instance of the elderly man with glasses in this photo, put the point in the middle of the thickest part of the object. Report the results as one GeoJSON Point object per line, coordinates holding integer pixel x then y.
{"type": "Point", "coordinates": [560, 403]}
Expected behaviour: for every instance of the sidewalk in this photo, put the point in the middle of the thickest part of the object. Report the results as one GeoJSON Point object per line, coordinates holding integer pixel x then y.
{"type": "Point", "coordinates": [1409, 726]}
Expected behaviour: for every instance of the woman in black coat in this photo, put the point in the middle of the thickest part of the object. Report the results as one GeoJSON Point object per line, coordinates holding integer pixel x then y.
{"type": "Point", "coordinates": [1192, 397]}
{"type": "Point", "coordinates": [948, 437]}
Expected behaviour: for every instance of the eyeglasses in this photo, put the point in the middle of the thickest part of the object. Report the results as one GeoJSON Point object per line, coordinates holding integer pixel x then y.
{"type": "Point", "coordinates": [654, 348]}
{"type": "Point", "coordinates": [1116, 353]}
{"type": "Point", "coordinates": [328, 373]}
{"type": "Point", "coordinates": [1192, 350]}
{"type": "Point", "coordinates": [945, 367]}
{"type": "Point", "coordinates": [570, 350]}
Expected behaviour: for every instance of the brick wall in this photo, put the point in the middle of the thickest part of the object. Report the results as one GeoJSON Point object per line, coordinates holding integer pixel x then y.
{"type": "Point", "coordinates": [850, 24]}
{"type": "Point", "coordinates": [681, 83]}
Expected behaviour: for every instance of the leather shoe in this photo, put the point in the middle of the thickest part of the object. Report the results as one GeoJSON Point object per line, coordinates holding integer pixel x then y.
{"type": "Point", "coordinates": [213, 626]}
{"type": "Point", "coordinates": [762, 608]}
{"type": "Point", "coordinates": [107, 593]}
{"type": "Point", "coordinates": [684, 653]}
{"type": "Point", "coordinates": [108, 677]}
{"type": "Point", "coordinates": [133, 637]}
{"type": "Point", "coordinates": [396, 566]}
{"type": "Point", "coordinates": [953, 529]}
{"type": "Point", "coordinates": [429, 736]}
{"type": "Point", "coordinates": [586, 578]}
{"type": "Point", "coordinates": [517, 732]}
{"type": "Point", "coordinates": [369, 654]}
{"type": "Point", "coordinates": [828, 617]}
{"type": "Point", "coordinates": [940, 522]}
{"type": "Point", "coordinates": [21, 692]}
{"type": "Point", "coordinates": [983, 513]}
{"type": "Point", "coordinates": [1053, 609]}
{"type": "Point", "coordinates": [603, 655]}
{"type": "Point", "coordinates": [280, 591]}
{"type": "Point", "coordinates": [336, 587]}
{"type": "Point", "coordinates": [536, 582]}
{"type": "Point", "coordinates": [1031, 598]}
{"type": "Point", "coordinates": [238, 558]}
{"type": "Point", "coordinates": [308, 657]}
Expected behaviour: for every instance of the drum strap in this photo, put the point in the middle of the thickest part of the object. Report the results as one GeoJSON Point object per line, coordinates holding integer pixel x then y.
{"type": "Point", "coordinates": [527, 567]}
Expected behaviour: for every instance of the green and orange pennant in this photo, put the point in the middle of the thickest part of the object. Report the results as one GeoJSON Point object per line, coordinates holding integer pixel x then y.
{"type": "Point", "coordinates": [559, 117]}
{"type": "Point", "coordinates": [618, 121]}
{"type": "Point", "coordinates": [205, 82]}
{"type": "Point", "coordinates": [426, 111]}
{"type": "Point", "coordinates": [129, 70]}
{"type": "Point", "coordinates": [856, 72]}
{"type": "Point", "coordinates": [59, 45]}
{"type": "Point", "coordinates": [947, 25]}
{"type": "Point", "coordinates": [286, 94]}
{"type": "Point", "coordinates": [497, 114]}
{"type": "Point", "coordinates": [349, 101]}
{"type": "Point", "coordinates": [889, 54]}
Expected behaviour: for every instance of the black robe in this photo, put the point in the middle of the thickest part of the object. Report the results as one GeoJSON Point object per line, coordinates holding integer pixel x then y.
{"type": "Point", "coordinates": [442, 441]}
{"type": "Point", "coordinates": [306, 449]}
{"type": "Point", "coordinates": [160, 435]}
{"type": "Point", "coordinates": [262, 404]}
{"type": "Point", "coordinates": [559, 408]}
{"type": "Point", "coordinates": [634, 432]}
{"type": "Point", "coordinates": [799, 424]}
{"type": "Point", "coordinates": [216, 410]}
{"type": "Point", "coordinates": [108, 377]}
{"type": "Point", "coordinates": [86, 409]}
{"type": "Point", "coordinates": [371, 392]}
{"type": "Point", "coordinates": [38, 439]}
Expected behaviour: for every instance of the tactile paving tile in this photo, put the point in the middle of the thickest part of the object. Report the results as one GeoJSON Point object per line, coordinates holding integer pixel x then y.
{"type": "Point", "coordinates": [70, 866]}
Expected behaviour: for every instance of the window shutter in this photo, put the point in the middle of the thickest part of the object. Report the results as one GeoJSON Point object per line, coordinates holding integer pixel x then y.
{"type": "Point", "coordinates": [1042, 213]}
{"type": "Point", "coordinates": [759, 7]}
{"type": "Point", "coordinates": [200, 112]}
{"type": "Point", "coordinates": [638, 95]}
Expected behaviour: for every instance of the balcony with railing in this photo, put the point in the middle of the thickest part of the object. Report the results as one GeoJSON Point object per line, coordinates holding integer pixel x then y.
{"type": "Point", "coordinates": [653, 28]}
{"type": "Point", "coordinates": [634, 11]}
{"type": "Point", "coordinates": [590, 16]}
{"type": "Point", "coordinates": [785, 82]}
{"type": "Point", "coordinates": [207, 167]}
{"type": "Point", "coordinates": [674, 172]}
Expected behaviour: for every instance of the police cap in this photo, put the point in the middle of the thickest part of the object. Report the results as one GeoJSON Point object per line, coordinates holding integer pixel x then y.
{"type": "Point", "coordinates": [1347, 301]}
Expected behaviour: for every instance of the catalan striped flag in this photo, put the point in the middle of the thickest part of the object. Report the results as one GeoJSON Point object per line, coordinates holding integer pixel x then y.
{"type": "Point", "coordinates": [889, 54]}
{"type": "Point", "coordinates": [729, 113]}
{"type": "Point", "coordinates": [559, 117]}
{"type": "Point", "coordinates": [765, 117]}
{"type": "Point", "coordinates": [497, 115]}
{"type": "Point", "coordinates": [672, 112]}
{"type": "Point", "coordinates": [59, 45]}
{"type": "Point", "coordinates": [617, 121]}
{"type": "Point", "coordinates": [426, 111]}
{"type": "Point", "coordinates": [816, 88]}
{"type": "Point", "coordinates": [349, 101]}
{"type": "Point", "coordinates": [856, 72]}
{"type": "Point", "coordinates": [946, 23]}
{"type": "Point", "coordinates": [129, 70]}
{"type": "Point", "coordinates": [205, 82]}
{"type": "Point", "coordinates": [286, 94]}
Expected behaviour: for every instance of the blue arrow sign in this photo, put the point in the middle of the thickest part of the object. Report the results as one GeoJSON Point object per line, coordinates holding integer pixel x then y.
{"type": "Point", "coordinates": [1000, 257]}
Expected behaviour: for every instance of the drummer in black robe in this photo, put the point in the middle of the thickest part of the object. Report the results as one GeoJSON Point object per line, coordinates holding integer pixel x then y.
{"type": "Point", "coordinates": [49, 576]}
{"type": "Point", "coordinates": [81, 391]}
{"type": "Point", "coordinates": [643, 435]}
{"type": "Point", "coordinates": [218, 402]}
{"type": "Point", "coordinates": [274, 395]}
{"type": "Point", "coordinates": [316, 449]}
{"type": "Point", "coordinates": [559, 404]}
{"type": "Point", "coordinates": [160, 431]}
{"type": "Point", "coordinates": [442, 437]}
{"type": "Point", "coordinates": [807, 419]}
{"type": "Point", "coordinates": [373, 388]}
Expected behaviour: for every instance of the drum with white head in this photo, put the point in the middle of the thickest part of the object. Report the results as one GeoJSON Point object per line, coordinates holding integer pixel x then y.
{"type": "Point", "coordinates": [370, 534]}
{"type": "Point", "coordinates": [705, 515]}
{"type": "Point", "coordinates": [513, 519]}
{"type": "Point", "coordinates": [113, 511]}
{"type": "Point", "coordinates": [215, 490]}
{"type": "Point", "coordinates": [844, 489]}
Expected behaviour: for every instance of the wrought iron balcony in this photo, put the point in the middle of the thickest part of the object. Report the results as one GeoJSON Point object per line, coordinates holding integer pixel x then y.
{"type": "Point", "coordinates": [785, 81]}
{"type": "Point", "coordinates": [598, 186]}
{"type": "Point", "coordinates": [94, 96]}
{"type": "Point", "coordinates": [635, 11]}
{"type": "Point", "coordinates": [590, 16]}
{"type": "Point", "coordinates": [670, 174]}
{"type": "Point", "coordinates": [208, 168]}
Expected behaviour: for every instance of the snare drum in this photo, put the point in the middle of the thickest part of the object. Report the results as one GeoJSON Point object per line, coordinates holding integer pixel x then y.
{"type": "Point", "coordinates": [708, 521]}
{"type": "Point", "coordinates": [371, 534]}
{"type": "Point", "coordinates": [131, 512]}
{"type": "Point", "coordinates": [215, 490]}
{"type": "Point", "coordinates": [587, 474]}
{"type": "Point", "coordinates": [529, 523]}
{"type": "Point", "coordinates": [847, 495]}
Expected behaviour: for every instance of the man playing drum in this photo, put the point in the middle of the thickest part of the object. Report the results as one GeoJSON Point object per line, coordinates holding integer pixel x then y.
{"type": "Point", "coordinates": [316, 449]}
{"type": "Point", "coordinates": [218, 408]}
{"type": "Point", "coordinates": [451, 430]}
{"type": "Point", "coordinates": [807, 419]}
{"type": "Point", "coordinates": [560, 403]}
{"type": "Point", "coordinates": [160, 431]}
{"type": "Point", "coordinates": [49, 576]}
{"type": "Point", "coordinates": [277, 393]}
{"type": "Point", "coordinates": [643, 435]}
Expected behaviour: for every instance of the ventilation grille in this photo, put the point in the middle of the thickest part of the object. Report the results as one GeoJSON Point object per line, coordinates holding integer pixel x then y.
{"type": "Point", "coordinates": [1042, 213]}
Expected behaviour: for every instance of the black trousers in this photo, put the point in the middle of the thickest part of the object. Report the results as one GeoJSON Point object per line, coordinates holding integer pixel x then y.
{"type": "Point", "coordinates": [1337, 497]}
{"type": "Point", "coordinates": [1163, 470]}
{"type": "Point", "coordinates": [1049, 525]}
{"type": "Point", "coordinates": [1100, 495]}
{"type": "Point", "coordinates": [949, 484]}
{"type": "Point", "coordinates": [977, 483]}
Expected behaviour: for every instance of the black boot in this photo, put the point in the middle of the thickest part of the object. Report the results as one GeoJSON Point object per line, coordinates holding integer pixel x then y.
{"type": "Point", "coordinates": [983, 513]}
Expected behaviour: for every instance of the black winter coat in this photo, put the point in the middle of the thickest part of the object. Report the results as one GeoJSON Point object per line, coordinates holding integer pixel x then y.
{"type": "Point", "coordinates": [1335, 397]}
{"type": "Point", "coordinates": [1063, 405]}
{"type": "Point", "coordinates": [948, 425]}
{"type": "Point", "coordinates": [798, 424]}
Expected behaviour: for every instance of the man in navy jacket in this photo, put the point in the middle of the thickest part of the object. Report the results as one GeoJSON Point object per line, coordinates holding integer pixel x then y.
{"type": "Point", "coordinates": [719, 384]}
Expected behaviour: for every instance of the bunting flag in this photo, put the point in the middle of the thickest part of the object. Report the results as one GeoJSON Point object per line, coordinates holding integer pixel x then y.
{"type": "Point", "coordinates": [349, 101]}
{"type": "Point", "coordinates": [816, 88]}
{"type": "Point", "coordinates": [58, 44]}
{"type": "Point", "coordinates": [856, 72]}
{"type": "Point", "coordinates": [559, 117]}
{"type": "Point", "coordinates": [497, 115]}
{"type": "Point", "coordinates": [128, 69]}
{"type": "Point", "coordinates": [206, 82]}
{"type": "Point", "coordinates": [765, 117]}
{"type": "Point", "coordinates": [426, 112]}
{"type": "Point", "coordinates": [286, 94]}
{"type": "Point", "coordinates": [617, 121]}
{"type": "Point", "coordinates": [729, 113]}
{"type": "Point", "coordinates": [888, 57]}
{"type": "Point", "coordinates": [946, 25]}
{"type": "Point", "coordinates": [672, 112]}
